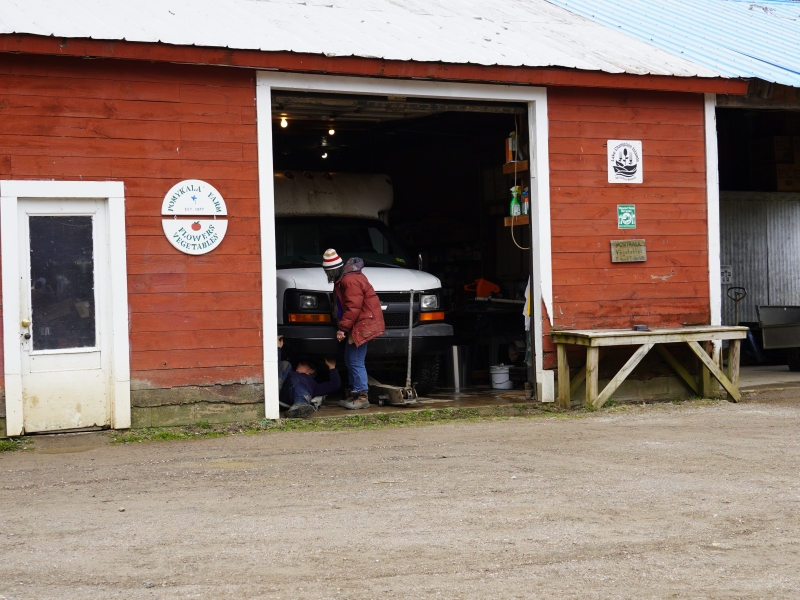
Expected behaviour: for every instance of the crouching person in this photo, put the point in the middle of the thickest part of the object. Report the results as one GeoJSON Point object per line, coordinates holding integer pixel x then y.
{"type": "Point", "coordinates": [298, 387]}
{"type": "Point", "coordinates": [360, 320]}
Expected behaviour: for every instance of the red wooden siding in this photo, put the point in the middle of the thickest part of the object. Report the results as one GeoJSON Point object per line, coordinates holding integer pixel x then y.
{"type": "Point", "coordinates": [194, 320]}
{"type": "Point", "coordinates": [671, 288]}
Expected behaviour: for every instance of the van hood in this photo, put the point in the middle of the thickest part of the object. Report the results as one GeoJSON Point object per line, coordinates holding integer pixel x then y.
{"type": "Point", "coordinates": [383, 279]}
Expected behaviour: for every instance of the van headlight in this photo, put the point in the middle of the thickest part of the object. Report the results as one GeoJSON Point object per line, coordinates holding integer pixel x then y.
{"type": "Point", "coordinates": [308, 302]}
{"type": "Point", "coordinates": [429, 302]}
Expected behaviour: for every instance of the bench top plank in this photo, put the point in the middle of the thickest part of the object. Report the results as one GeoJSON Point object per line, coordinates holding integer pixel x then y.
{"type": "Point", "coordinates": [628, 337]}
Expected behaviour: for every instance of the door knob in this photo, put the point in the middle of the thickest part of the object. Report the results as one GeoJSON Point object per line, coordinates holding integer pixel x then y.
{"type": "Point", "coordinates": [26, 323]}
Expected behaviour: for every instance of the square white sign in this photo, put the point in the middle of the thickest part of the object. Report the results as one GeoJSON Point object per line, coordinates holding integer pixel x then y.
{"type": "Point", "coordinates": [625, 161]}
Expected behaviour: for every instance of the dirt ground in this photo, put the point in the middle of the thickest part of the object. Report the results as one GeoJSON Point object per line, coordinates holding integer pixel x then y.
{"type": "Point", "coordinates": [666, 501]}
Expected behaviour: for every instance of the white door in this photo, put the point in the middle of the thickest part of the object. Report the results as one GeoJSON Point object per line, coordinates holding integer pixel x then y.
{"type": "Point", "coordinates": [64, 313]}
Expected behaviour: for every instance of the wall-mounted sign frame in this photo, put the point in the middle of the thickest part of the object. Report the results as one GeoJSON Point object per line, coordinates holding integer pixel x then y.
{"type": "Point", "coordinates": [202, 203]}
{"type": "Point", "coordinates": [626, 216]}
{"type": "Point", "coordinates": [628, 251]}
{"type": "Point", "coordinates": [625, 161]}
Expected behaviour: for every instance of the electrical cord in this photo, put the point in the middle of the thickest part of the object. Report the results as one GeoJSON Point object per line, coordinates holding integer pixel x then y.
{"type": "Point", "coordinates": [512, 236]}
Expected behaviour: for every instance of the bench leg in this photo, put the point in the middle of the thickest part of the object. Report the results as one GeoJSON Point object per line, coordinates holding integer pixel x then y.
{"type": "Point", "coordinates": [734, 353]}
{"type": "Point", "coordinates": [626, 370]}
{"type": "Point", "coordinates": [714, 369]}
{"type": "Point", "coordinates": [592, 367]}
{"type": "Point", "coordinates": [564, 395]}
{"type": "Point", "coordinates": [706, 390]}
{"type": "Point", "coordinates": [579, 378]}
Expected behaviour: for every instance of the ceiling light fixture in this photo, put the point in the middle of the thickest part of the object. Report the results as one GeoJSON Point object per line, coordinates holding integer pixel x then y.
{"type": "Point", "coordinates": [325, 155]}
{"type": "Point", "coordinates": [331, 131]}
{"type": "Point", "coordinates": [284, 122]}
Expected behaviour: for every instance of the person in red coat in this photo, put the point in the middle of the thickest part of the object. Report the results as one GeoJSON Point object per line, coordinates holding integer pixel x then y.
{"type": "Point", "coordinates": [360, 320]}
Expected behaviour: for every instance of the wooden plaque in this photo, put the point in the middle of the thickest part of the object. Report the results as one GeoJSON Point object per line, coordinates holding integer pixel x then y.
{"type": "Point", "coordinates": [628, 251]}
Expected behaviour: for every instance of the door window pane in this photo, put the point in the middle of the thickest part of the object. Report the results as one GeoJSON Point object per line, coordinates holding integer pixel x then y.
{"type": "Point", "coordinates": [62, 283]}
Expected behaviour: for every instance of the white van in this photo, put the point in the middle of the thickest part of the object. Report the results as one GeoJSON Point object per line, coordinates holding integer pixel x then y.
{"type": "Point", "coordinates": [347, 212]}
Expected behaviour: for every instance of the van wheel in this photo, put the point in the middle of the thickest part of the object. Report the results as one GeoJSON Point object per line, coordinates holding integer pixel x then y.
{"type": "Point", "coordinates": [793, 359]}
{"type": "Point", "coordinates": [426, 373]}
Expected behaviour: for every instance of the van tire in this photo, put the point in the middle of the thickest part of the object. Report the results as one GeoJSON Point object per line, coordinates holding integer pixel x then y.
{"type": "Point", "coordinates": [426, 373]}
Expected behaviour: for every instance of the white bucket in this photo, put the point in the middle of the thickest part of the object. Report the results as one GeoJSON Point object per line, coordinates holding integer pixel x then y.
{"type": "Point", "coordinates": [501, 380]}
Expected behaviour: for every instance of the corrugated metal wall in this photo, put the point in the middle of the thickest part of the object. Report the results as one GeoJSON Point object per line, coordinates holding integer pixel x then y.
{"type": "Point", "coordinates": [760, 240]}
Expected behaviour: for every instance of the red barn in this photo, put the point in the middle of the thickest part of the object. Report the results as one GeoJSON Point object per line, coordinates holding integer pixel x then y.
{"type": "Point", "coordinates": [107, 321]}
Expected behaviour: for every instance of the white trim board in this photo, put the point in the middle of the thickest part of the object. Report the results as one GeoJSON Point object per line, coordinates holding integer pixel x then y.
{"type": "Point", "coordinates": [712, 198]}
{"type": "Point", "coordinates": [266, 215]}
{"type": "Point", "coordinates": [114, 193]}
{"type": "Point", "coordinates": [534, 97]}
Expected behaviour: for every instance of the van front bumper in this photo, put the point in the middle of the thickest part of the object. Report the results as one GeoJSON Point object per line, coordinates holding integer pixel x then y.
{"type": "Point", "coordinates": [321, 340]}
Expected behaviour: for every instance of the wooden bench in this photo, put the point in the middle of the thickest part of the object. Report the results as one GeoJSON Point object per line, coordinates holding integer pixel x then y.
{"type": "Point", "coordinates": [646, 340]}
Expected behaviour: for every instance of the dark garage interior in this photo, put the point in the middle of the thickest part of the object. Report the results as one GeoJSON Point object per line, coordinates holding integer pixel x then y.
{"type": "Point", "coordinates": [452, 181]}
{"type": "Point", "coordinates": [759, 169]}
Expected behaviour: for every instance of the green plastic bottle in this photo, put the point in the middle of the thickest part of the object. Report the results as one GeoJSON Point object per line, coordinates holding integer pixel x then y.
{"type": "Point", "coordinates": [515, 207]}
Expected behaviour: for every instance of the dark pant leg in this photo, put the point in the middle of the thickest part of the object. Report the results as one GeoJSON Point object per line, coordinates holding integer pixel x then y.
{"type": "Point", "coordinates": [295, 393]}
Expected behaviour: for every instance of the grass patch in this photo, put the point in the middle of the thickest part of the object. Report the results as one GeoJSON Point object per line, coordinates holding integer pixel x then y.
{"type": "Point", "coordinates": [13, 444]}
{"type": "Point", "coordinates": [427, 416]}
{"type": "Point", "coordinates": [164, 434]}
{"type": "Point", "coordinates": [370, 421]}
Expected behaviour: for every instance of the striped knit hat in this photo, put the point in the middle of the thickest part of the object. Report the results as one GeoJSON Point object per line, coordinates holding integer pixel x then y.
{"type": "Point", "coordinates": [331, 260]}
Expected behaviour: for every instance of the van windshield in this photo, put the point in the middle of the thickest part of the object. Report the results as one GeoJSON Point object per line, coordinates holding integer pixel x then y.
{"type": "Point", "coordinates": [301, 240]}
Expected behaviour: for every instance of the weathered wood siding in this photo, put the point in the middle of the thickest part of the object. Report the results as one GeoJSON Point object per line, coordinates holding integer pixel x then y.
{"type": "Point", "coordinates": [194, 320]}
{"type": "Point", "coordinates": [671, 287]}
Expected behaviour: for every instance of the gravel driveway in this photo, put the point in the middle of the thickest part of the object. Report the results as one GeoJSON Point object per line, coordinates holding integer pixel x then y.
{"type": "Point", "coordinates": [665, 501]}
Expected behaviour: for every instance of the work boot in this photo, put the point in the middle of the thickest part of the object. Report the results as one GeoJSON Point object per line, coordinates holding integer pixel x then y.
{"type": "Point", "coordinates": [355, 401]}
{"type": "Point", "coordinates": [299, 410]}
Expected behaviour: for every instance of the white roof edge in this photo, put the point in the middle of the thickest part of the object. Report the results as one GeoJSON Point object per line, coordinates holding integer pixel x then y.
{"type": "Point", "coordinates": [428, 31]}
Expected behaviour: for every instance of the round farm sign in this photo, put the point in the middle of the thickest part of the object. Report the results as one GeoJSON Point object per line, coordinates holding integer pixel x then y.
{"type": "Point", "coordinates": [194, 206]}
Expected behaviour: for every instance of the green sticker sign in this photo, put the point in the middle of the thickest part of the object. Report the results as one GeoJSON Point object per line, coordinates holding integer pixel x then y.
{"type": "Point", "coordinates": [626, 216]}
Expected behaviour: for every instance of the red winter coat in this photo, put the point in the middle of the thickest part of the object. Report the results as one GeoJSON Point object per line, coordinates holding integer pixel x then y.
{"type": "Point", "coordinates": [361, 309]}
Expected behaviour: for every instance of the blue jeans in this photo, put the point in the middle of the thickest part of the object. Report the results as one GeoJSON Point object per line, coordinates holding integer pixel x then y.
{"type": "Point", "coordinates": [356, 371]}
{"type": "Point", "coordinates": [296, 394]}
{"type": "Point", "coordinates": [287, 390]}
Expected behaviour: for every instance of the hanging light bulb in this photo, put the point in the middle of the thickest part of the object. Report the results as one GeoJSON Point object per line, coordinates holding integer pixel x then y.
{"type": "Point", "coordinates": [325, 155]}
{"type": "Point", "coordinates": [284, 122]}
{"type": "Point", "coordinates": [331, 131]}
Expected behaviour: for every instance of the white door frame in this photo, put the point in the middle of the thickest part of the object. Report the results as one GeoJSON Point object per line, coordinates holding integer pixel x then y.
{"type": "Point", "coordinates": [712, 200]}
{"type": "Point", "coordinates": [114, 193]}
{"type": "Point", "coordinates": [534, 97]}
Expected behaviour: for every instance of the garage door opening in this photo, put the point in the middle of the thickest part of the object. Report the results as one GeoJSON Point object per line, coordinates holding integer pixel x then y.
{"type": "Point", "coordinates": [759, 167]}
{"type": "Point", "coordinates": [419, 188]}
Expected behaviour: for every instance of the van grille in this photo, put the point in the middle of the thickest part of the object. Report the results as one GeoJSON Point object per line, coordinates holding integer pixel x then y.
{"type": "Point", "coordinates": [386, 297]}
{"type": "Point", "coordinates": [399, 320]}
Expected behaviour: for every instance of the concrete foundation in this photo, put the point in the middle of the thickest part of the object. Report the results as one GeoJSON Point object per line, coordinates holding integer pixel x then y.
{"type": "Point", "coordinates": [189, 414]}
{"type": "Point", "coordinates": [187, 405]}
{"type": "Point", "coordinates": [229, 394]}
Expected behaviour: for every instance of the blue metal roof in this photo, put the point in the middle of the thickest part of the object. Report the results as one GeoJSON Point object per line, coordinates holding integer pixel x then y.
{"type": "Point", "coordinates": [736, 38]}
